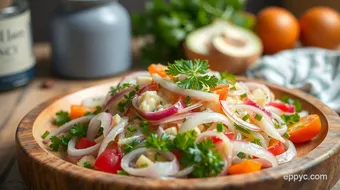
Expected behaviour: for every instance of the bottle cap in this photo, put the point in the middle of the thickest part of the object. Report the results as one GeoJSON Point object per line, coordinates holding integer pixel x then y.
{"type": "Point", "coordinates": [5, 3]}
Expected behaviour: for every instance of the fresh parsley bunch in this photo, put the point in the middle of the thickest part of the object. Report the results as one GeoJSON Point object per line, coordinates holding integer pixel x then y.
{"type": "Point", "coordinates": [170, 23]}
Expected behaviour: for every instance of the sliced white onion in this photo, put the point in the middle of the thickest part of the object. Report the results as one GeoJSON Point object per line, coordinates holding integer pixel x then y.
{"type": "Point", "coordinates": [67, 126]}
{"type": "Point", "coordinates": [227, 147]}
{"type": "Point", "coordinates": [184, 172]}
{"type": "Point", "coordinates": [173, 118]}
{"type": "Point", "coordinates": [283, 126]}
{"type": "Point", "coordinates": [158, 115]}
{"type": "Point", "coordinates": [264, 88]}
{"type": "Point", "coordinates": [192, 107]}
{"type": "Point", "coordinates": [76, 153]}
{"type": "Point", "coordinates": [254, 150]}
{"type": "Point", "coordinates": [263, 141]}
{"type": "Point", "coordinates": [236, 119]}
{"type": "Point", "coordinates": [129, 140]}
{"type": "Point", "coordinates": [93, 101]}
{"type": "Point", "coordinates": [160, 131]}
{"type": "Point", "coordinates": [103, 120]}
{"type": "Point", "coordinates": [196, 94]}
{"type": "Point", "coordinates": [156, 170]}
{"type": "Point", "coordinates": [112, 134]}
{"type": "Point", "coordinates": [274, 110]}
{"type": "Point", "coordinates": [266, 124]}
{"type": "Point", "coordinates": [205, 117]}
{"type": "Point", "coordinates": [240, 89]}
{"type": "Point", "coordinates": [131, 78]}
{"type": "Point", "coordinates": [289, 154]}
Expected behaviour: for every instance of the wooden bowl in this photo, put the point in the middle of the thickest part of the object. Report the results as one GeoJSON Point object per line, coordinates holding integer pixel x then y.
{"type": "Point", "coordinates": [43, 169]}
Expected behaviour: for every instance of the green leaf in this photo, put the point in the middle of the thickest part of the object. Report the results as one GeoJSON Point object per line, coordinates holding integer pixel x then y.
{"type": "Point", "coordinates": [195, 72]}
{"type": "Point", "coordinates": [122, 172]}
{"type": "Point", "coordinates": [227, 78]}
{"type": "Point", "coordinates": [243, 96]}
{"type": "Point", "coordinates": [96, 112]}
{"type": "Point", "coordinates": [290, 119]}
{"type": "Point", "coordinates": [87, 165]}
{"type": "Point", "coordinates": [184, 140]}
{"type": "Point", "coordinates": [241, 155]}
{"type": "Point", "coordinates": [162, 142]}
{"type": "Point", "coordinates": [130, 147]}
{"type": "Point", "coordinates": [246, 117]}
{"type": "Point", "coordinates": [145, 125]}
{"type": "Point", "coordinates": [118, 88]}
{"type": "Point", "coordinates": [286, 135]}
{"type": "Point", "coordinates": [78, 130]}
{"type": "Point", "coordinates": [62, 118]}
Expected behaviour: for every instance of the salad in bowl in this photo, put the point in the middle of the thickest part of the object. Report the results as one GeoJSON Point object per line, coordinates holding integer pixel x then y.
{"type": "Point", "coordinates": [182, 121]}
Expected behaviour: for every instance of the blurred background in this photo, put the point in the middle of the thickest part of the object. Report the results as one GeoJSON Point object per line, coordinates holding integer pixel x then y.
{"type": "Point", "coordinates": [42, 10]}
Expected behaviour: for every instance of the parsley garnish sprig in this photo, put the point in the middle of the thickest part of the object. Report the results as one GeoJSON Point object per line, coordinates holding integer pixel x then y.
{"type": "Point", "coordinates": [195, 73]}
{"type": "Point", "coordinates": [62, 118]}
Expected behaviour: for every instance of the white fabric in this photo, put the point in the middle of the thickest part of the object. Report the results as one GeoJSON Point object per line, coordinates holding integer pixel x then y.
{"type": "Point", "coordinates": [313, 70]}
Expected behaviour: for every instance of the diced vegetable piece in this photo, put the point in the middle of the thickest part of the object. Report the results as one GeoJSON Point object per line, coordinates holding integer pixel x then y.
{"type": "Point", "coordinates": [158, 69]}
{"type": "Point", "coordinates": [304, 130]}
{"type": "Point", "coordinates": [222, 91]}
{"type": "Point", "coordinates": [246, 166]}
{"type": "Point", "coordinates": [144, 80]}
{"type": "Point", "coordinates": [230, 136]}
{"type": "Point", "coordinates": [171, 131]}
{"type": "Point", "coordinates": [78, 111]}
{"type": "Point", "coordinates": [276, 147]}
{"type": "Point", "coordinates": [143, 162]}
{"type": "Point", "coordinates": [109, 161]}
{"type": "Point", "coordinates": [87, 161]}
{"type": "Point", "coordinates": [284, 107]}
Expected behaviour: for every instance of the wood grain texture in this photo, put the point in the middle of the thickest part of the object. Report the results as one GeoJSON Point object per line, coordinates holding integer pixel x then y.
{"type": "Point", "coordinates": [43, 169]}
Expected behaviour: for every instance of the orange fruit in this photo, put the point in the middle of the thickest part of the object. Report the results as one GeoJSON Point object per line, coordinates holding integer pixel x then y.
{"type": "Point", "coordinates": [320, 27]}
{"type": "Point", "coordinates": [277, 28]}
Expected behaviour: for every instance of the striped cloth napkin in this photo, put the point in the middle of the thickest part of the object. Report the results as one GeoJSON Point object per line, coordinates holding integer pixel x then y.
{"type": "Point", "coordinates": [313, 70]}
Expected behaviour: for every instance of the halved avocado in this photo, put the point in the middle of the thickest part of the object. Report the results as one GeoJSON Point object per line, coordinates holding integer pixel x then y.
{"type": "Point", "coordinates": [227, 47]}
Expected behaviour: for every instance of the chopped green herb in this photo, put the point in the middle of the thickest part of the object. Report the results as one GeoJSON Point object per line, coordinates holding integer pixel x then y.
{"type": "Point", "coordinates": [242, 129]}
{"type": "Point", "coordinates": [219, 127]}
{"type": "Point", "coordinates": [233, 87]}
{"type": "Point", "coordinates": [184, 120]}
{"type": "Point", "coordinates": [258, 117]}
{"type": "Point", "coordinates": [243, 96]}
{"type": "Point", "coordinates": [56, 142]}
{"type": "Point", "coordinates": [78, 130]}
{"type": "Point", "coordinates": [162, 142]}
{"type": "Point", "coordinates": [45, 134]}
{"type": "Point", "coordinates": [145, 125]}
{"type": "Point", "coordinates": [227, 78]}
{"type": "Point", "coordinates": [100, 132]}
{"type": "Point", "coordinates": [196, 72]}
{"type": "Point", "coordinates": [246, 117]}
{"type": "Point", "coordinates": [87, 165]}
{"type": "Point", "coordinates": [241, 155]}
{"type": "Point", "coordinates": [62, 118]}
{"type": "Point", "coordinates": [286, 135]}
{"type": "Point", "coordinates": [277, 124]}
{"type": "Point", "coordinates": [290, 119]}
{"type": "Point", "coordinates": [124, 104]}
{"type": "Point", "coordinates": [96, 112]}
{"type": "Point", "coordinates": [132, 129]}
{"type": "Point", "coordinates": [187, 100]}
{"type": "Point", "coordinates": [122, 172]}
{"type": "Point", "coordinates": [185, 140]}
{"type": "Point", "coordinates": [256, 141]}
{"type": "Point", "coordinates": [206, 161]}
{"type": "Point", "coordinates": [119, 87]}
{"type": "Point", "coordinates": [130, 147]}
{"type": "Point", "coordinates": [138, 118]}
{"type": "Point", "coordinates": [296, 103]}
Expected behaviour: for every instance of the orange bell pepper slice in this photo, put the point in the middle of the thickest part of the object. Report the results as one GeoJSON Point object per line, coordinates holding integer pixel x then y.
{"type": "Point", "coordinates": [158, 69]}
{"type": "Point", "coordinates": [78, 111]}
{"type": "Point", "coordinates": [246, 166]}
{"type": "Point", "coordinates": [222, 91]}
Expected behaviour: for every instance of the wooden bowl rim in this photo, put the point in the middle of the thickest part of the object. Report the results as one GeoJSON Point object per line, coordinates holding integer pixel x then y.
{"type": "Point", "coordinates": [56, 164]}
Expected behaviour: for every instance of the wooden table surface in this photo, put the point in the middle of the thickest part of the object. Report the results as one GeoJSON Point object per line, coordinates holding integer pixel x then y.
{"type": "Point", "coordinates": [16, 103]}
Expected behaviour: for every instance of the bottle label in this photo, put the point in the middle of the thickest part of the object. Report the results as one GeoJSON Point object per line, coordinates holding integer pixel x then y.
{"type": "Point", "coordinates": [16, 55]}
